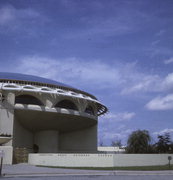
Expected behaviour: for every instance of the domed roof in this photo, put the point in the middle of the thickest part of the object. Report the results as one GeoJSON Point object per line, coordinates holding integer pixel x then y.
{"type": "Point", "coordinates": [30, 78]}
{"type": "Point", "coordinates": [6, 76]}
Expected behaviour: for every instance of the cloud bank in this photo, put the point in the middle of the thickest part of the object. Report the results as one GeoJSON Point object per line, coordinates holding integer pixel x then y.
{"type": "Point", "coordinates": [168, 61]}
{"type": "Point", "coordinates": [167, 130]}
{"type": "Point", "coordinates": [161, 103]}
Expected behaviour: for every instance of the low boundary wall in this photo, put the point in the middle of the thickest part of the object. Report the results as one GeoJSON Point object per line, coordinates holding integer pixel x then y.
{"type": "Point", "coordinates": [98, 160]}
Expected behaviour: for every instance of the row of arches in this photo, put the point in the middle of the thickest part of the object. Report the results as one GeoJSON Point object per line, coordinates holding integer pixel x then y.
{"type": "Point", "coordinates": [67, 104]}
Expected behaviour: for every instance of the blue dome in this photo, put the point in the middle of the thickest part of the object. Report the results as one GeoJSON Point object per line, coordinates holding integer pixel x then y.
{"type": "Point", "coordinates": [30, 78]}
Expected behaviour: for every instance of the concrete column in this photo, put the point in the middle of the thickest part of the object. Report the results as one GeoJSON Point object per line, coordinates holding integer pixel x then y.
{"type": "Point", "coordinates": [81, 104]}
{"type": "Point", "coordinates": [49, 103]}
{"type": "Point", "coordinates": [7, 115]}
{"type": "Point", "coordinates": [10, 99]}
{"type": "Point", "coordinates": [47, 141]}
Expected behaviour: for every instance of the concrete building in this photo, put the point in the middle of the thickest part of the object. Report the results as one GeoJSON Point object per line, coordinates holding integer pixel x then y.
{"type": "Point", "coordinates": [45, 116]}
{"type": "Point", "coordinates": [111, 149]}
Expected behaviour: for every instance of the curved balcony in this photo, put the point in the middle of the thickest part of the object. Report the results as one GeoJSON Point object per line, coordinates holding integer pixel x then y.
{"type": "Point", "coordinates": [36, 118]}
{"type": "Point", "coordinates": [4, 140]}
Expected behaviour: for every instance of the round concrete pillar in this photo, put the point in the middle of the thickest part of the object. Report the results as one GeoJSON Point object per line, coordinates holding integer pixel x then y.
{"type": "Point", "coordinates": [47, 141]}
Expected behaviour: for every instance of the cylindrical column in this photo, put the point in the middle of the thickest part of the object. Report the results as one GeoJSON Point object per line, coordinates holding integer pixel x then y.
{"type": "Point", "coordinates": [46, 141]}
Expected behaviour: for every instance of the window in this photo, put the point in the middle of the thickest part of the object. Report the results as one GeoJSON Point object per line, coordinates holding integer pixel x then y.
{"type": "Point", "coordinates": [89, 110]}
{"type": "Point", "coordinates": [28, 99]}
{"type": "Point", "coordinates": [2, 97]}
{"type": "Point", "coordinates": [67, 104]}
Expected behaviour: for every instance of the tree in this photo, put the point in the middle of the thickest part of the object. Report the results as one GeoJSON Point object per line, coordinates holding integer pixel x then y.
{"type": "Point", "coordinates": [138, 142]}
{"type": "Point", "coordinates": [101, 143]}
{"type": "Point", "coordinates": [164, 143]}
{"type": "Point", "coordinates": [116, 143]}
{"type": "Point", "coordinates": [171, 148]}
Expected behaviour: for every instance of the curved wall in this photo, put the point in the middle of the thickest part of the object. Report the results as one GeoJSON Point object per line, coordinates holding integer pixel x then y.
{"type": "Point", "coordinates": [54, 126]}
{"type": "Point", "coordinates": [46, 141]}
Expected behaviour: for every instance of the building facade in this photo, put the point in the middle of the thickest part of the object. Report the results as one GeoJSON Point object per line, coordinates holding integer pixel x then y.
{"type": "Point", "coordinates": [46, 116]}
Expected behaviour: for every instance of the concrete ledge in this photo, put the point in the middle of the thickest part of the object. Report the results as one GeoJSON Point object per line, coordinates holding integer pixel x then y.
{"type": "Point", "coordinates": [71, 160]}
{"type": "Point", "coordinates": [31, 107]}
{"type": "Point", "coordinates": [98, 160]}
{"type": "Point", "coordinates": [4, 140]}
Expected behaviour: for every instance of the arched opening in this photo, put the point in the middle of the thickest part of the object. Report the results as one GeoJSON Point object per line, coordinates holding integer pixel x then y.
{"type": "Point", "coordinates": [67, 104]}
{"type": "Point", "coordinates": [2, 97]}
{"type": "Point", "coordinates": [28, 99]}
{"type": "Point", "coordinates": [89, 110]}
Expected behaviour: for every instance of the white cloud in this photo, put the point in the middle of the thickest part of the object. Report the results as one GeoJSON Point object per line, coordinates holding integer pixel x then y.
{"type": "Point", "coordinates": [124, 78]}
{"type": "Point", "coordinates": [122, 126]}
{"type": "Point", "coordinates": [150, 83]}
{"type": "Point", "coordinates": [108, 136]}
{"type": "Point", "coordinates": [167, 82]}
{"type": "Point", "coordinates": [21, 20]}
{"type": "Point", "coordinates": [163, 131]}
{"type": "Point", "coordinates": [144, 84]}
{"type": "Point", "coordinates": [71, 70]}
{"type": "Point", "coordinates": [159, 51]}
{"type": "Point", "coordinates": [154, 43]}
{"type": "Point", "coordinates": [79, 72]}
{"type": "Point", "coordinates": [161, 103]}
{"type": "Point", "coordinates": [9, 14]}
{"type": "Point", "coordinates": [6, 15]}
{"type": "Point", "coordinates": [117, 24]}
{"type": "Point", "coordinates": [168, 61]}
{"type": "Point", "coordinates": [108, 129]}
{"type": "Point", "coordinates": [114, 25]}
{"type": "Point", "coordinates": [111, 135]}
{"type": "Point", "coordinates": [161, 32]}
{"type": "Point", "coordinates": [116, 117]}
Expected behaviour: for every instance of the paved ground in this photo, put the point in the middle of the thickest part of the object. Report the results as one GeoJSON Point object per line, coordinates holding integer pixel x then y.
{"type": "Point", "coordinates": [26, 172]}
{"type": "Point", "coordinates": [145, 177]}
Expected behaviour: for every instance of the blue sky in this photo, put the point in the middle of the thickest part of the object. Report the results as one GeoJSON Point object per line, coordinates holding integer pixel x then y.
{"type": "Point", "coordinates": [121, 51]}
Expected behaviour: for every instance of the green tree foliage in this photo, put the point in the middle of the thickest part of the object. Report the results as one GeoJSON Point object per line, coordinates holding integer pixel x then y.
{"type": "Point", "coordinates": [116, 143]}
{"type": "Point", "coordinates": [138, 142]}
{"type": "Point", "coordinates": [164, 143]}
{"type": "Point", "coordinates": [171, 148]}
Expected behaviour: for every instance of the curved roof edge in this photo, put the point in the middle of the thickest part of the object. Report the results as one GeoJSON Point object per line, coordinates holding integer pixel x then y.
{"type": "Point", "coordinates": [39, 80]}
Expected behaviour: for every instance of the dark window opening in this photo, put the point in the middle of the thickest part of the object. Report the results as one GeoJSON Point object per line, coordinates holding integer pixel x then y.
{"type": "Point", "coordinates": [89, 110]}
{"type": "Point", "coordinates": [27, 99]}
{"type": "Point", "coordinates": [67, 105]}
{"type": "Point", "coordinates": [2, 97]}
{"type": "Point", "coordinates": [35, 148]}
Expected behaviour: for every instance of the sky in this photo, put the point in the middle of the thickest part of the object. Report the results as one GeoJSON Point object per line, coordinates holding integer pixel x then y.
{"type": "Point", "coordinates": [121, 51]}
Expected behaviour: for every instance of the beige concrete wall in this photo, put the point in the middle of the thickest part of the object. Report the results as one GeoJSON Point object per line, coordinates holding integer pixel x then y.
{"type": "Point", "coordinates": [8, 151]}
{"type": "Point", "coordinates": [47, 141]}
{"type": "Point", "coordinates": [7, 114]}
{"type": "Point", "coordinates": [84, 140]}
{"type": "Point", "coordinates": [99, 160]}
{"type": "Point", "coordinates": [112, 149]}
{"type": "Point", "coordinates": [6, 121]}
{"type": "Point", "coordinates": [72, 160]}
{"type": "Point", "coordinates": [21, 136]}
{"type": "Point", "coordinates": [141, 159]}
